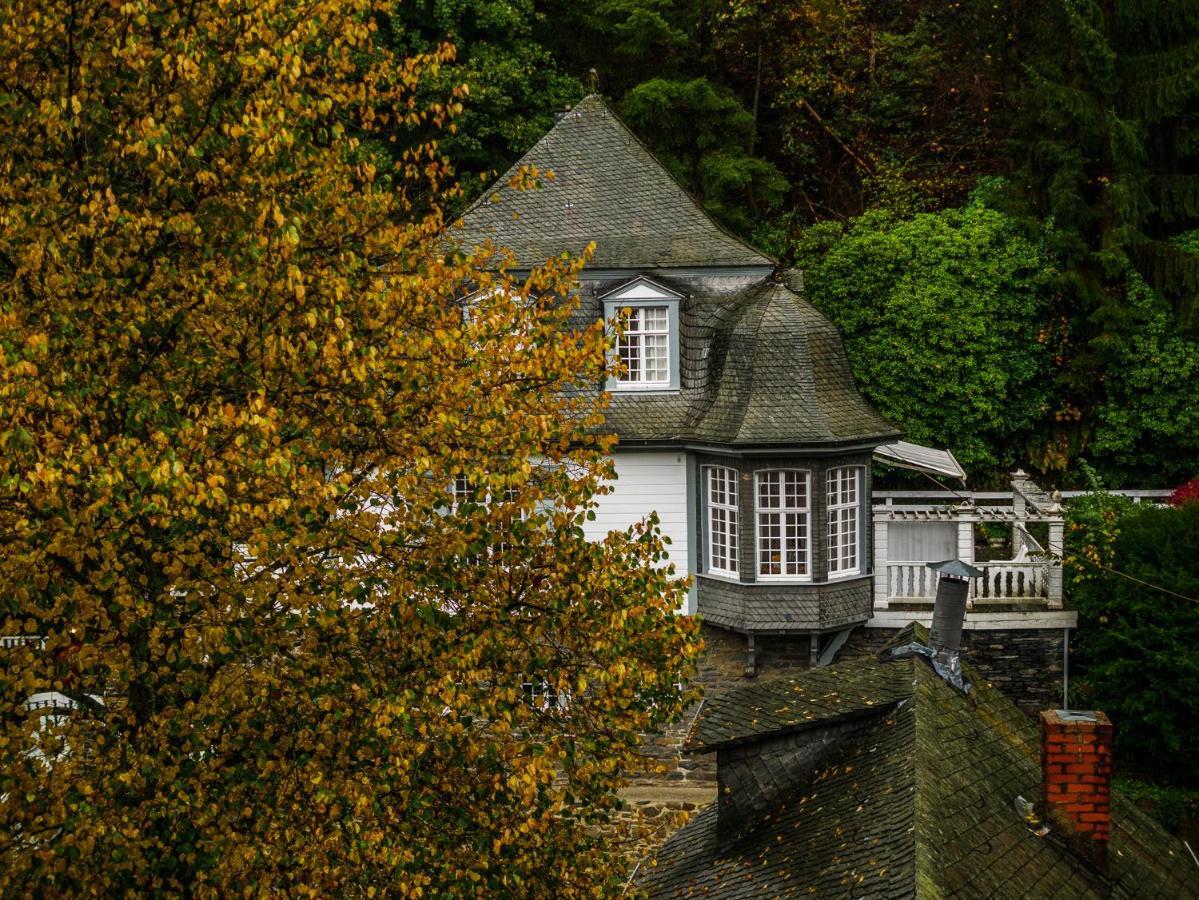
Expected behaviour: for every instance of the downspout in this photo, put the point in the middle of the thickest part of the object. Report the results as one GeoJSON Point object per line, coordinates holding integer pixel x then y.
{"type": "Point", "coordinates": [1065, 668]}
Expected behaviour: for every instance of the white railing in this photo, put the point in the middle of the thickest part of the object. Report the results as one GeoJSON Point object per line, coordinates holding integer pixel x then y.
{"type": "Point", "coordinates": [1004, 580]}
{"type": "Point", "coordinates": [8, 641]}
{"type": "Point", "coordinates": [1012, 581]}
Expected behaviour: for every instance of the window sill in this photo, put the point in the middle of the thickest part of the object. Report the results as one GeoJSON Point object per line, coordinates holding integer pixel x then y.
{"type": "Point", "coordinates": [845, 576]}
{"type": "Point", "coordinates": [664, 388]}
{"type": "Point", "coordinates": [724, 578]}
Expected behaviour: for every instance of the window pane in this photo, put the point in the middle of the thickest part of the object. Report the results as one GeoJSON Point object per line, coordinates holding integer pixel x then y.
{"type": "Point", "coordinates": [656, 357]}
{"type": "Point", "coordinates": [630, 356]}
{"type": "Point", "coordinates": [655, 318]}
{"type": "Point", "coordinates": [782, 502]}
{"type": "Point", "coordinates": [722, 519]}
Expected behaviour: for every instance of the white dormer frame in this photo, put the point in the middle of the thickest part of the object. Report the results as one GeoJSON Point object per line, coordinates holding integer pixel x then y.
{"type": "Point", "coordinates": [645, 293]}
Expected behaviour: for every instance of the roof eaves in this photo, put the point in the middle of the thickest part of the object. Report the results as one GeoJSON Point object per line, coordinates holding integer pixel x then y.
{"type": "Point", "coordinates": [853, 715]}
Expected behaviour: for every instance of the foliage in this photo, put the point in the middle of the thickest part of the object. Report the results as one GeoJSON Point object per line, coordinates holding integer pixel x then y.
{"type": "Point", "coordinates": [1174, 807]}
{"type": "Point", "coordinates": [943, 320]}
{"type": "Point", "coordinates": [514, 84]}
{"type": "Point", "coordinates": [237, 383]}
{"type": "Point", "coordinates": [1103, 148]}
{"type": "Point", "coordinates": [1147, 423]}
{"type": "Point", "coordinates": [664, 64]}
{"type": "Point", "coordinates": [702, 135]}
{"type": "Point", "coordinates": [875, 104]}
{"type": "Point", "coordinates": [1133, 645]}
{"type": "Point", "coordinates": [1092, 526]}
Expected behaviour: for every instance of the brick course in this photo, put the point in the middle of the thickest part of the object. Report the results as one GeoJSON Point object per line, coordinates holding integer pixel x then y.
{"type": "Point", "coordinates": [1076, 765]}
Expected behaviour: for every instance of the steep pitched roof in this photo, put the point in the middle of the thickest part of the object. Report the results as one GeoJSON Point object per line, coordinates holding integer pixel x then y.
{"type": "Point", "coordinates": [917, 803]}
{"type": "Point", "coordinates": [606, 188]}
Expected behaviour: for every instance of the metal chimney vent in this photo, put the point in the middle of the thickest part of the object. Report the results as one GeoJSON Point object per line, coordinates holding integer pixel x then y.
{"type": "Point", "coordinates": [949, 614]}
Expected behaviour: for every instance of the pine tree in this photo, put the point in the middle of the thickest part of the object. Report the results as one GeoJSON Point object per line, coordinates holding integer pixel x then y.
{"type": "Point", "coordinates": [1106, 146]}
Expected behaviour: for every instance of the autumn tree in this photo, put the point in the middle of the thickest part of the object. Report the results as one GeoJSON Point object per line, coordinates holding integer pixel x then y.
{"type": "Point", "coordinates": [291, 490]}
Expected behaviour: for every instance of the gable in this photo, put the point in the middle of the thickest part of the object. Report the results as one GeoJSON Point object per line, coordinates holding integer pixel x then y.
{"type": "Point", "coordinates": [640, 289]}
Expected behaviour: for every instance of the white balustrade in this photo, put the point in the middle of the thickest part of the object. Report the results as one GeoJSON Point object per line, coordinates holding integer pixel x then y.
{"type": "Point", "coordinates": [1001, 580]}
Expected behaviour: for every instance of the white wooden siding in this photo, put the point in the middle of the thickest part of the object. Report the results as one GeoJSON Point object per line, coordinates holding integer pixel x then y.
{"type": "Point", "coordinates": [647, 482]}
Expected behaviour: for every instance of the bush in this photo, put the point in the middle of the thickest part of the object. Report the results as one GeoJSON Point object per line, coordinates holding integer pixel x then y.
{"type": "Point", "coordinates": [943, 320]}
{"type": "Point", "coordinates": [1135, 650]}
{"type": "Point", "coordinates": [1147, 425]}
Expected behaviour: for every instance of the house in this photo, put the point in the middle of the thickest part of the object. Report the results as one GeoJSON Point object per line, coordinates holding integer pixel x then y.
{"type": "Point", "coordinates": [737, 415]}
{"type": "Point", "coordinates": [877, 777]}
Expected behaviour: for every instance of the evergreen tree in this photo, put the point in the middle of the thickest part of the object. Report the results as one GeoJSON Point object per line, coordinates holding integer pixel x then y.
{"type": "Point", "coordinates": [1106, 145]}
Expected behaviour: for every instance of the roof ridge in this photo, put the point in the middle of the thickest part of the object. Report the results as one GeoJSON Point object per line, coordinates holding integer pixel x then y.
{"type": "Point", "coordinates": [609, 189]}
{"type": "Point", "coordinates": [598, 97]}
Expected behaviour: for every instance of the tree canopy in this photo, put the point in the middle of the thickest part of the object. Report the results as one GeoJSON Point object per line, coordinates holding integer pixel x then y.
{"type": "Point", "coordinates": [780, 117]}
{"type": "Point", "coordinates": [290, 490]}
{"type": "Point", "coordinates": [943, 316]}
{"type": "Point", "coordinates": [1133, 648]}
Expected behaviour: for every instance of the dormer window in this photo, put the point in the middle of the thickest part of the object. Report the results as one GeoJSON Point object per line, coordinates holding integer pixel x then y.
{"type": "Point", "coordinates": [646, 315]}
{"type": "Point", "coordinates": [644, 345]}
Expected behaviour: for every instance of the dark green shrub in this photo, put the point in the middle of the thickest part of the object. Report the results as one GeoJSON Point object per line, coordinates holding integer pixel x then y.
{"type": "Point", "coordinates": [1137, 648]}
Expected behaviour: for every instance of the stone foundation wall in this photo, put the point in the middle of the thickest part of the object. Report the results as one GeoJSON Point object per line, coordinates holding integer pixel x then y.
{"type": "Point", "coordinates": [1026, 664]}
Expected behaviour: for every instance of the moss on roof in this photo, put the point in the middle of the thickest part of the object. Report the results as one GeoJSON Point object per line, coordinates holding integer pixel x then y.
{"type": "Point", "coordinates": [920, 803]}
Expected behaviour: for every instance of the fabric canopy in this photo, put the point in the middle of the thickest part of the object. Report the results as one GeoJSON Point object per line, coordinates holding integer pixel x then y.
{"type": "Point", "coordinates": [922, 459]}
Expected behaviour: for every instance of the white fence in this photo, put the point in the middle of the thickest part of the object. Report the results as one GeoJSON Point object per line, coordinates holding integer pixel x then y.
{"type": "Point", "coordinates": [1005, 580]}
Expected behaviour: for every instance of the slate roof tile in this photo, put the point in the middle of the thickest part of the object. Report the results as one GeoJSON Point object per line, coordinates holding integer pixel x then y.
{"type": "Point", "coordinates": [606, 188]}
{"type": "Point", "coordinates": [919, 803]}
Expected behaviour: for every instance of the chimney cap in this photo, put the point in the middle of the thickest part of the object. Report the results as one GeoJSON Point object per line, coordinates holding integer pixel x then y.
{"type": "Point", "coordinates": [955, 568]}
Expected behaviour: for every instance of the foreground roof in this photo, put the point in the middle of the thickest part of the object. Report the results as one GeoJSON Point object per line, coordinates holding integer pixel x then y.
{"type": "Point", "coordinates": [917, 803]}
{"type": "Point", "coordinates": [606, 188]}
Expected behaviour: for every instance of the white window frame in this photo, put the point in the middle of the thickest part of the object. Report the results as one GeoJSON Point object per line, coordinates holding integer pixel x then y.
{"type": "Point", "coordinates": [732, 521]}
{"type": "Point", "coordinates": [782, 511]}
{"type": "Point", "coordinates": [839, 513]}
{"type": "Point", "coordinates": [634, 328]}
{"type": "Point", "coordinates": [635, 297]}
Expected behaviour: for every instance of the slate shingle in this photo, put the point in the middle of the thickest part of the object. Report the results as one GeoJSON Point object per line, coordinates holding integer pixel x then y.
{"type": "Point", "coordinates": [606, 188]}
{"type": "Point", "coordinates": [920, 803]}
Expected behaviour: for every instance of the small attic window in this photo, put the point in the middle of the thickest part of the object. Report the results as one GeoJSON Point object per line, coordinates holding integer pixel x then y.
{"type": "Point", "coordinates": [647, 344]}
{"type": "Point", "coordinates": [644, 345]}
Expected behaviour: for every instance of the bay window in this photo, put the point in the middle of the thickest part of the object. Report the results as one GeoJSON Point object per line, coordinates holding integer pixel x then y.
{"type": "Point", "coordinates": [784, 549]}
{"type": "Point", "coordinates": [844, 510]}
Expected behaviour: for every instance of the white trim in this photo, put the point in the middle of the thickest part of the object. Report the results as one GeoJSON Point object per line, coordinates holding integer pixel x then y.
{"type": "Point", "coordinates": [640, 288]}
{"type": "Point", "coordinates": [832, 508]}
{"type": "Point", "coordinates": [781, 511]}
{"type": "Point", "coordinates": [733, 512]}
{"type": "Point", "coordinates": [722, 577]}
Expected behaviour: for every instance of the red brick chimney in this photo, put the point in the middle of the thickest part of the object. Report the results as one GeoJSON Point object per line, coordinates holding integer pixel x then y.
{"type": "Point", "coordinates": [1076, 779]}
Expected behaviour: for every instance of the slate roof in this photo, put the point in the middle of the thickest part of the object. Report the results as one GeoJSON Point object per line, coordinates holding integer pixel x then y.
{"type": "Point", "coordinates": [760, 365]}
{"type": "Point", "coordinates": [606, 188]}
{"type": "Point", "coordinates": [919, 802]}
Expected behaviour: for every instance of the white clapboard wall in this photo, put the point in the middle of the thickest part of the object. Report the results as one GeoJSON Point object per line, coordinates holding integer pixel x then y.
{"type": "Point", "coordinates": [647, 482]}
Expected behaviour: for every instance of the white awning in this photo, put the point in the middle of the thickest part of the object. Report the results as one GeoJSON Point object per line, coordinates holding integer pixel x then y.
{"type": "Point", "coordinates": [922, 459]}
